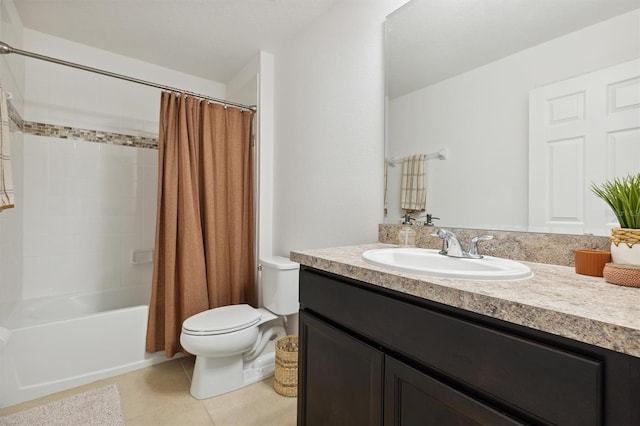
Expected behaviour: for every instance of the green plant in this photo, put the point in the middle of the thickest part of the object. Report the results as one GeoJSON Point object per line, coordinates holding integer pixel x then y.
{"type": "Point", "coordinates": [623, 196]}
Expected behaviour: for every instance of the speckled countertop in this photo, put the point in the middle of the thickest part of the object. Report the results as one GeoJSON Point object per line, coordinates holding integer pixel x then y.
{"type": "Point", "coordinates": [556, 300]}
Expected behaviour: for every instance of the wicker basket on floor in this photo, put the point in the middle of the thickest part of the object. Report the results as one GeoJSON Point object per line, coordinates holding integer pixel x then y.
{"type": "Point", "coordinates": [286, 375]}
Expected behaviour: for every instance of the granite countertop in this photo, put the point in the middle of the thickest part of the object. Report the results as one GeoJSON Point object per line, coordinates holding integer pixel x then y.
{"type": "Point", "coordinates": [556, 300]}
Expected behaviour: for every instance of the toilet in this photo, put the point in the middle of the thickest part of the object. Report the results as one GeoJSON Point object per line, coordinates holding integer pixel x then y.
{"type": "Point", "coordinates": [235, 345]}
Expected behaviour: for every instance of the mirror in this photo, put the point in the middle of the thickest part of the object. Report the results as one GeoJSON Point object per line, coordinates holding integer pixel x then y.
{"type": "Point", "coordinates": [461, 76]}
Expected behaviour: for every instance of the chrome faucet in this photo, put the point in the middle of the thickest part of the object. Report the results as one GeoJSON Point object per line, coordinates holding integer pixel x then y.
{"type": "Point", "coordinates": [451, 245]}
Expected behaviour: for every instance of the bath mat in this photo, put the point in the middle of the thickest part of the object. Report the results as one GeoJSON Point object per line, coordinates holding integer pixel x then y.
{"type": "Point", "coordinates": [98, 407]}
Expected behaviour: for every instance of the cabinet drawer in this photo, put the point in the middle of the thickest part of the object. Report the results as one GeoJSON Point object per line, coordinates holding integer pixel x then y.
{"type": "Point", "coordinates": [541, 382]}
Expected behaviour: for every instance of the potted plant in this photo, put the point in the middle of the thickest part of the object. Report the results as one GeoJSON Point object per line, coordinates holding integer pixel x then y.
{"type": "Point", "coordinates": [623, 196]}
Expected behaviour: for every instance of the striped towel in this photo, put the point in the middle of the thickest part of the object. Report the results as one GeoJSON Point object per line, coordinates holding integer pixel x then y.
{"type": "Point", "coordinates": [6, 179]}
{"type": "Point", "coordinates": [413, 195]}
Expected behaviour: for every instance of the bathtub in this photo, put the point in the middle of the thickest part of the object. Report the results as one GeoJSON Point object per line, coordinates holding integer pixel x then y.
{"type": "Point", "coordinates": [58, 343]}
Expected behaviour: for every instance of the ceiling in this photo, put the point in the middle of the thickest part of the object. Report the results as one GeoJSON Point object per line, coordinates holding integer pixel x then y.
{"type": "Point", "coordinates": [431, 40]}
{"type": "Point", "coordinates": [212, 39]}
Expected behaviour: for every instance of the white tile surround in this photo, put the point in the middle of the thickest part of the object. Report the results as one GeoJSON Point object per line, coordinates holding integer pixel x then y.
{"type": "Point", "coordinates": [86, 207]}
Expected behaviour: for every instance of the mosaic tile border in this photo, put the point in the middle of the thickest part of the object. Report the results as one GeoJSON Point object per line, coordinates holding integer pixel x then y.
{"type": "Point", "coordinates": [88, 135]}
{"type": "Point", "coordinates": [76, 133]}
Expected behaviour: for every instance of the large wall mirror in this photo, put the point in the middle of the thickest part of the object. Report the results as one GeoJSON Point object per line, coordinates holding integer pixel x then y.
{"type": "Point", "coordinates": [530, 101]}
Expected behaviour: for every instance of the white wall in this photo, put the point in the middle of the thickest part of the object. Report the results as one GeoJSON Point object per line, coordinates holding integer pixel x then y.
{"type": "Point", "coordinates": [329, 129]}
{"type": "Point", "coordinates": [68, 96]}
{"type": "Point", "coordinates": [482, 118]}
{"type": "Point", "coordinates": [253, 85]}
{"type": "Point", "coordinates": [266, 192]}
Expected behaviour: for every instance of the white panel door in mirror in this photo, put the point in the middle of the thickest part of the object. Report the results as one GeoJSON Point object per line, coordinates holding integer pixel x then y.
{"type": "Point", "coordinates": [565, 148]}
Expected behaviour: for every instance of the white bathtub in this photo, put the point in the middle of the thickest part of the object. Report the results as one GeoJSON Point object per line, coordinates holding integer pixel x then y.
{"type": "Point", "coordinates": [59, 343]}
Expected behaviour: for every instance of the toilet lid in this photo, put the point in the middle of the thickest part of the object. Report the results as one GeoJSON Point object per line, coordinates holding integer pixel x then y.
{"type": "Point", "coordinates": [221, 320]}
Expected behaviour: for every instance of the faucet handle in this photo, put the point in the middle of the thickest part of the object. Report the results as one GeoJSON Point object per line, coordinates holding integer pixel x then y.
{"type": "Point", "coordinates": [473, 247]}
{"type": "Point", "coordinates": [440, 233]}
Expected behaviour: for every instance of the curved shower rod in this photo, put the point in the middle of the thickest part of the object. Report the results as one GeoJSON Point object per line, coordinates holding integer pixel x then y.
{"type": "Point", "coordinates": [6, 49]}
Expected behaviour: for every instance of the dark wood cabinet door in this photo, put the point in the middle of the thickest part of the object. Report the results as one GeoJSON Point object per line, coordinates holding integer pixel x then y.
{"type": "Point", "coordinates": [413, 398]}
{"type": "Point", "coordinates": [340, 377]}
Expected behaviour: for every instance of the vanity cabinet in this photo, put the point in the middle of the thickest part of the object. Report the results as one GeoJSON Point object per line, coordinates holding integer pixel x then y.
{"type": "Point", "coordinates": [371, 356]}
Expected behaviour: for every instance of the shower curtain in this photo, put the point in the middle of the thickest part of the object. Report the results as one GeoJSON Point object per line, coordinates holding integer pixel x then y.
{"type": "Point", "coordinates": [204, 249]}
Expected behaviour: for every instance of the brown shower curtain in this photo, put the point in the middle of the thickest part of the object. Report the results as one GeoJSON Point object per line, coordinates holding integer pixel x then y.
{"type": "Point", "coordinates": [204, 249]}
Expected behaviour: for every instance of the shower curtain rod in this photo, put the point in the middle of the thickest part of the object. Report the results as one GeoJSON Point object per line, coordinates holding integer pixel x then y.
{"type": "Point", "coordinates": [6, 49]}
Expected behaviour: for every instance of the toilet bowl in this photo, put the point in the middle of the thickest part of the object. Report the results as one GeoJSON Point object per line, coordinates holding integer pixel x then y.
{"type": "Point", "coordinates": [234, 345]}
{"type": "Point", "coordinates": [220, 332]}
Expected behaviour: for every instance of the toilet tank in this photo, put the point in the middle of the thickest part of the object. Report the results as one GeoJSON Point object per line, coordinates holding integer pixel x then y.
{"type": "Point", "coordinates": [280, 285]}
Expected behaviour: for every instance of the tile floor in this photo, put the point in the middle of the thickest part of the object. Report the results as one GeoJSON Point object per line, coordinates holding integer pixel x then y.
{"type": "Point", "coordinates": [159, 395]}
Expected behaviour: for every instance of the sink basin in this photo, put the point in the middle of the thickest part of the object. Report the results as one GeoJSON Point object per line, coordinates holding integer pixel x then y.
{"type": "Point", "coordinates": [432, 263]}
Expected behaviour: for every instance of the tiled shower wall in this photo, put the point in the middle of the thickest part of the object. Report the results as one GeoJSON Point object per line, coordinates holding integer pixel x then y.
{"type": "Point", "coordinates": [87, 207]}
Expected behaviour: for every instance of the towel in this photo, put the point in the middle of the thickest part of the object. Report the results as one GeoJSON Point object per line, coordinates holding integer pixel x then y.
{"type": "Point", "coordinates": [413, 193]}
{"type": "Point", "coordinates": [386, 178]}
{"type": "Point", "coordinates": [6, 179]}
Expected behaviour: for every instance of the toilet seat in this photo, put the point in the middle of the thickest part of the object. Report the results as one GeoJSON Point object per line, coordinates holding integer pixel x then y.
{"type": "Point", "coordinates": [226, 319]}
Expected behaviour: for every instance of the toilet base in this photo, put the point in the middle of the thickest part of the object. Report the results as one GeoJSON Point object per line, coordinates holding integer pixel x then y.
{"type": "Point", "coordinates": [215, 376]}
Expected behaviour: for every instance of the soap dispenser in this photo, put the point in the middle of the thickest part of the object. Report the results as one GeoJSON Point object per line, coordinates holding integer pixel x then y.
{"type": "Point", "coordinates": [407, 236]}
{"type": "Point", "coordinates": [429, 218]}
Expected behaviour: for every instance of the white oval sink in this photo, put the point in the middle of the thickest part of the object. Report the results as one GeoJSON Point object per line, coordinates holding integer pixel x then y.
{"type": "Point", "coordinates": [431, 262]}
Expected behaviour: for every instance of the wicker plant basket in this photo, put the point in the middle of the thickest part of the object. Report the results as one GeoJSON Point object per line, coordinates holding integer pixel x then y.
{"type": "Point", "coordinates": [625, 246]}
{"type": "Point", "coordinates": [626, 236]}
{"type": "Point", "coordinates": [286, 375]}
